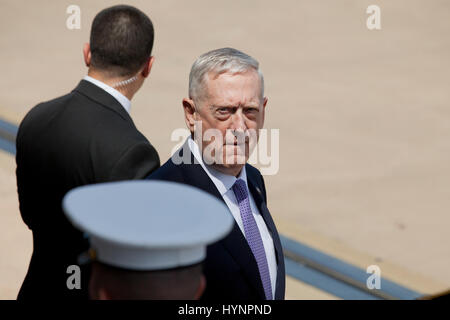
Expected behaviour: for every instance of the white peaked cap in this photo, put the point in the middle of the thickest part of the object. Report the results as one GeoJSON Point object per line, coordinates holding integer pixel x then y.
{"type": "Point", "coordinates": [147, 225]}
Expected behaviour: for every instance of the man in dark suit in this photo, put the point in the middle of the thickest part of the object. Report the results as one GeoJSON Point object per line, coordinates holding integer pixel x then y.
{"type": "Point", "coordinates": [84, 137]}
{"type": "Point", "coordinates": [224, 113]}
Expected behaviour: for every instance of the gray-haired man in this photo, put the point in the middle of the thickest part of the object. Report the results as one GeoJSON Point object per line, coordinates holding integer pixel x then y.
{"type": "Point", "coordinates": [224, 113]}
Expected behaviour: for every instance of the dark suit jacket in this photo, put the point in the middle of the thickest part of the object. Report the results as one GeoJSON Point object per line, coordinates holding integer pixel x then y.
{"type": "Point", "coordinates": [230, 268]}
{"type": "Point", "coordinates": [81, 138]}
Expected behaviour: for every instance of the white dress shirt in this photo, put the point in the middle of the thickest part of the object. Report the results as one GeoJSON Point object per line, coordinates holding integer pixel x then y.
{"type": "Point", "coordinates": [224, 183]}
{"type": "Point", "coordinates": [124, 101]}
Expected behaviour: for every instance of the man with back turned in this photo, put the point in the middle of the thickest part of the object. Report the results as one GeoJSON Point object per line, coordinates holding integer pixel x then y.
{"type": "Point", "coordinates": [84, 137]}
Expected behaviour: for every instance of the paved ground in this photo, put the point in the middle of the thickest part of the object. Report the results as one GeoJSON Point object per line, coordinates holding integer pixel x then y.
{"type": "Point", "coordinates": [364, 117]}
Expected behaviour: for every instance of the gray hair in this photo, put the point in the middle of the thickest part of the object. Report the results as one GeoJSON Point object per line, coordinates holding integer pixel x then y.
{"type": "Point", "coordinates": [224, 60]}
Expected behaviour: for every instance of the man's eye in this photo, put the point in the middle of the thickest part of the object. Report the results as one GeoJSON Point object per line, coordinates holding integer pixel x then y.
{"type": "Point", "coordinates": [251, 111]}
{"type": "Point", "coordinates": [223, 110]}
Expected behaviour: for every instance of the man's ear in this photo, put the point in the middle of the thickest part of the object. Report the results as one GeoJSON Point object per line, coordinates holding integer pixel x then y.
{"type": "Point", "coordinates": [264, 110]}
{"type": "Point", "coordinates": [87, 54]}
{"type": "Point", "coordinates": [148, 67]}
{"type": "Point", "coordinates": [201, 287]}
{"type": "Point", "coordinates": [189, 113]}
{"type": "Point", "coordinates": [103, 294]}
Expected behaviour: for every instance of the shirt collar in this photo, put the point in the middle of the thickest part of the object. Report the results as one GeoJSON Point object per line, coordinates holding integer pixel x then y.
{"type": "Point", "coordinates": [222, 181]}
{"type": "Point", "coordinates": [124, 101]}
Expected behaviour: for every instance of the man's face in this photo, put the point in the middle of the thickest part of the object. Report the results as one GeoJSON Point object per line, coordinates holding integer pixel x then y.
{"type": "Point", "coordinates": [231, 104]}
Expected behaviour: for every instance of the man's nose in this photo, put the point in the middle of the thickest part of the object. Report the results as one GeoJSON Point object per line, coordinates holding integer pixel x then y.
{"type": "Point", "coordinates": [238, 122]}
{"type": "Point", "coordinates": [238, 128]}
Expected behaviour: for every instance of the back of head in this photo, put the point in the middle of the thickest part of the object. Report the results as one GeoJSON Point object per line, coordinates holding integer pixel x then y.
{"type": "Point", "coordinates": [121, 40]}
{"type": "Point", "coordinates": [108, 282]}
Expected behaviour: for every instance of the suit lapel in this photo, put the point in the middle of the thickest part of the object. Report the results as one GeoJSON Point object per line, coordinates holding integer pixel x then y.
{"type": "Point", "coordinates": [261, 204]}
{"type": "Point", "coordinates": [235, 243]}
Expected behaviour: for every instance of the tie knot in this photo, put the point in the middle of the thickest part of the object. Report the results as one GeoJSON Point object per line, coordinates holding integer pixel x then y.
{"type": "Point", "coordinates": [240, 190]}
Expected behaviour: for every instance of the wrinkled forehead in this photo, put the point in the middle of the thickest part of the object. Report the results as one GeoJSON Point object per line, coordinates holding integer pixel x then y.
{"type": "Point", "coordinates": [232, 86]}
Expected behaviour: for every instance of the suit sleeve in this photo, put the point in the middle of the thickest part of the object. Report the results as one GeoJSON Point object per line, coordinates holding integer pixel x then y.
{"type": "Point", "coordinates": [137, 162]}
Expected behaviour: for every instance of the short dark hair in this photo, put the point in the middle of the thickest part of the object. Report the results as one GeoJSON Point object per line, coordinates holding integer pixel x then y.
{"type": "Point", "coordinates": [121, 40]}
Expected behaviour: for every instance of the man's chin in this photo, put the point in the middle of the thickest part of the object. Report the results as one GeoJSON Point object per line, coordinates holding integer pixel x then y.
{"type": "Point", "coordinates": [230, 169]}
{"type": "Point", "coordinates": [236, 160]}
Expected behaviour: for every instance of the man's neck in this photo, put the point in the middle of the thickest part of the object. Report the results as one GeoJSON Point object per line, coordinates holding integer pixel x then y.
{"type": "Point", "coordinates": [127, 91]}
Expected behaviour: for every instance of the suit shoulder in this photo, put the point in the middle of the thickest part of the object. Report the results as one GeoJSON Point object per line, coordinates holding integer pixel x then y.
{"type": "Point", "coordinates": [43, 108]}
{"type": "Point", "coordinates": [38, 115]}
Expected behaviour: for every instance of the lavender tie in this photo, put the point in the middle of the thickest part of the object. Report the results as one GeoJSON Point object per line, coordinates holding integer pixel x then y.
{"type": "Point", "coordinates": [253, 236]}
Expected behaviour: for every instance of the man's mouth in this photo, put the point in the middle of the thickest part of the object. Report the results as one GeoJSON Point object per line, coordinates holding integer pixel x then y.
{"type": "Point", "coordinates": [236, 144]}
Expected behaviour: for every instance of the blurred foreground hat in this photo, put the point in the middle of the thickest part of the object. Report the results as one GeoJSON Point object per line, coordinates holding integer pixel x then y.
{"type": "Point", "coordinates": [147, 225]}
